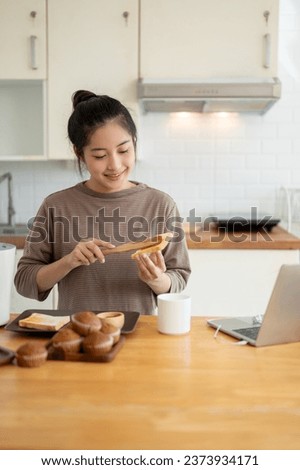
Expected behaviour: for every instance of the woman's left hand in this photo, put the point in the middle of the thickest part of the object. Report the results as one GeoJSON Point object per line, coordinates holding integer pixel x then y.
{"type": "Point", "coordinates": [152, 270]}
{"type": "Point", "coordinates": [151, 267]}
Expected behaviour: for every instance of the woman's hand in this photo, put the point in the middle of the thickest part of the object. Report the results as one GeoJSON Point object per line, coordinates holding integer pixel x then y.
{"type": "Point", "coordinates": [86, 252]}
{"type": "Point", "coordinates": [152, 271]}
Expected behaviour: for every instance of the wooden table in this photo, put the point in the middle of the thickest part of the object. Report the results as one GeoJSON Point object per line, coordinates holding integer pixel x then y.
{"type": "Point", "coordinates": [160, 392]}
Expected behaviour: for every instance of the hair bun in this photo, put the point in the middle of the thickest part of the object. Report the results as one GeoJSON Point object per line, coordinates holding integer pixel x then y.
{"type": "Point", "coordinates": [82, 95]}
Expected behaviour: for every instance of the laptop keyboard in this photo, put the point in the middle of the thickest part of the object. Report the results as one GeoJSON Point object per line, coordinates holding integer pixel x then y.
{"type": "Point", "coordinates": [251, 332]}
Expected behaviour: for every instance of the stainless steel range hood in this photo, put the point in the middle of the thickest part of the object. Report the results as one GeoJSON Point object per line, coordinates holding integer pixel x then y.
{"type": "Point", "coordinates": [210, 96]}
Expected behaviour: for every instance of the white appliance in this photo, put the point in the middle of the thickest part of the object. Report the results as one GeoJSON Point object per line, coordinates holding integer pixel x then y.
{"type": "Point", "coordinates": [227, 95]}
{"type": "Point", "coordinates": [7, 267]}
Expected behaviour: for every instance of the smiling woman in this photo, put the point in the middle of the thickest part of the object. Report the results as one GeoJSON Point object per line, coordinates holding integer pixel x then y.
{"type": "Point", "coordinates": [109, 158]}
{"type": "Point", "coordinates": [90, 130]}
{"type": "Point", "coordinates": [73, 226]}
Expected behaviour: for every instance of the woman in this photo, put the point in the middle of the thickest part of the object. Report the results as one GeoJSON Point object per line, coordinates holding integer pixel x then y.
{"type": "Point", "coordinates": [72, 225]}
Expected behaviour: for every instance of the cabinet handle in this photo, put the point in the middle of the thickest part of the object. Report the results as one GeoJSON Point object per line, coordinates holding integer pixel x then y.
{"type": "Point", "coordinates": [126, 16]}
{"type": "Point", "coordinates": [33, 61]}
{"type": "Point", "coordinates": [267, 47]}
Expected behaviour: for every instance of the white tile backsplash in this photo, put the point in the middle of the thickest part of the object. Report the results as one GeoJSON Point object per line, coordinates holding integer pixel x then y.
{"type": "Point", "coordinates": [32, 182]}
{"type": "Point", "coordinates": [206, 162]}
{"type": "Point", "coordinates": [276, 146]}
{"type": "Point", "coordinates": [260, 161]}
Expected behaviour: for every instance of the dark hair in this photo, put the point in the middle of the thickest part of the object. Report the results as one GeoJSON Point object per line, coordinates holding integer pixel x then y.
{"type": "Point", "coordinates": [91, 111]}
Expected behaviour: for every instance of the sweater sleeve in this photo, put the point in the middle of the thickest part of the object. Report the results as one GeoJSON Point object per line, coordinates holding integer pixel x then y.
{"type": "Point", "coordinates": [37, 253]}
{"type": "Point", "coordinates": [176, 253]}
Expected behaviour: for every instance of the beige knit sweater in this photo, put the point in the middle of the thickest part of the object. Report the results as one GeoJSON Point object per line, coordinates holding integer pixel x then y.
{"type": "Point", "coordinates": [75, 213]}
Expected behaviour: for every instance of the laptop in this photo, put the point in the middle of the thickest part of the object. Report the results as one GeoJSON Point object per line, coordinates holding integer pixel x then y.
{"type": "Point", "coordinates": [281, 321]}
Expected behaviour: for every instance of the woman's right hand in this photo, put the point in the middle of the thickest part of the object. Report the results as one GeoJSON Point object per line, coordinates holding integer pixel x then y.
{"type": "Point", "coordinates": [86, 252]}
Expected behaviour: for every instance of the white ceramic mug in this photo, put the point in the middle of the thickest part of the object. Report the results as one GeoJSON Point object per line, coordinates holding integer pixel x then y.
{"type": "Point", "coordinates": [174, 314]}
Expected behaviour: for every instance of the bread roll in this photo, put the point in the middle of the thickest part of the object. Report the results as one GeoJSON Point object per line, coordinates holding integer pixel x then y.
{"type": "Point", "coordinates": [85, 322]}
{"type": "Point", "coordinates": [31, 354]}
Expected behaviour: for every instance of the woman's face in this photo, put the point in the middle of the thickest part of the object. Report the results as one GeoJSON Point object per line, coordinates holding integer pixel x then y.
{"type": "Point", "coordinates": [109, 158]}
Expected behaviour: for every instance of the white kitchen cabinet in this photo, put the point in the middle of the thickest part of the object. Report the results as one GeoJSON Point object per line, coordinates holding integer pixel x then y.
{"type": "Point", "coordinates": [92, 45]}
{"type": "Point", "coordinates": [22, 39]}
{"type": "Point", "coordinates": [20, 303]}
{"type": "Point", "coordinates": [200, 39]}
{"type": "Point", "coordinates": [234, 282]}
{"type": "Point", "coordinates": [22, 79]}
{"type": "Point", "coordinates": [22, 124]}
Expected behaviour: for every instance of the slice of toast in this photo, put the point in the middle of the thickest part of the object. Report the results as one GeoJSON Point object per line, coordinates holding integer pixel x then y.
{"type": "Point", "coordinates": [150, 249]}
{"type": "Point", "coordinates": [157, 240]}
{"type": "Point", "coordinates": [162, 241]}
{"type": "Point", "coordinates": [41, 321]}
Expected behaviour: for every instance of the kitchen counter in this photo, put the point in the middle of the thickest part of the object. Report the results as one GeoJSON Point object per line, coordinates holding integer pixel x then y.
{"type": "Point", "coordinates": [160, 392]}
{"type": "Point", "coordinates": [17, 240]}
{"type": "Point", "coordinates": [232, 273]}
{"type": "Point", "coordinates": [212, 238]}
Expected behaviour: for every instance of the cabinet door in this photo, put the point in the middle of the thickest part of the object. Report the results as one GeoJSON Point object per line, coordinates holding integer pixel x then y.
{"type": "Point", "coordinates": [92, 45]}
{"type": "Point", "coordinates": [234, 282]}
{"type": "Point", "coordinates": [200, 39]}
{"type": "Point", "coordinates": [23, 39]}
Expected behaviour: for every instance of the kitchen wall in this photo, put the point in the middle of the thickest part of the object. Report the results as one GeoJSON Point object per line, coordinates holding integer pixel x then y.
{"type": "Point", "coordinates": [210, 163]}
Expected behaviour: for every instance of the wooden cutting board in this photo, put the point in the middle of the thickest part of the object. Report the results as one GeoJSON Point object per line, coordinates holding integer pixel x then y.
{"type": "Point", "coordinates": [60, 355]}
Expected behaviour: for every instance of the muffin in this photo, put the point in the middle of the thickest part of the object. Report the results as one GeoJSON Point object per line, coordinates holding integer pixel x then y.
{"type": "Point", "coordinates": [67, 340]}
{"type": "Point", "coordinates": [97, 343]}
{"type": "Point", "coordinates": [112, 331]}
{"type": "Point", "coordinates": [85, 322]}
{"type": "Point", "coordinates": [116, 319]}
{"type": "Point", "coordinates": [31, 354]}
